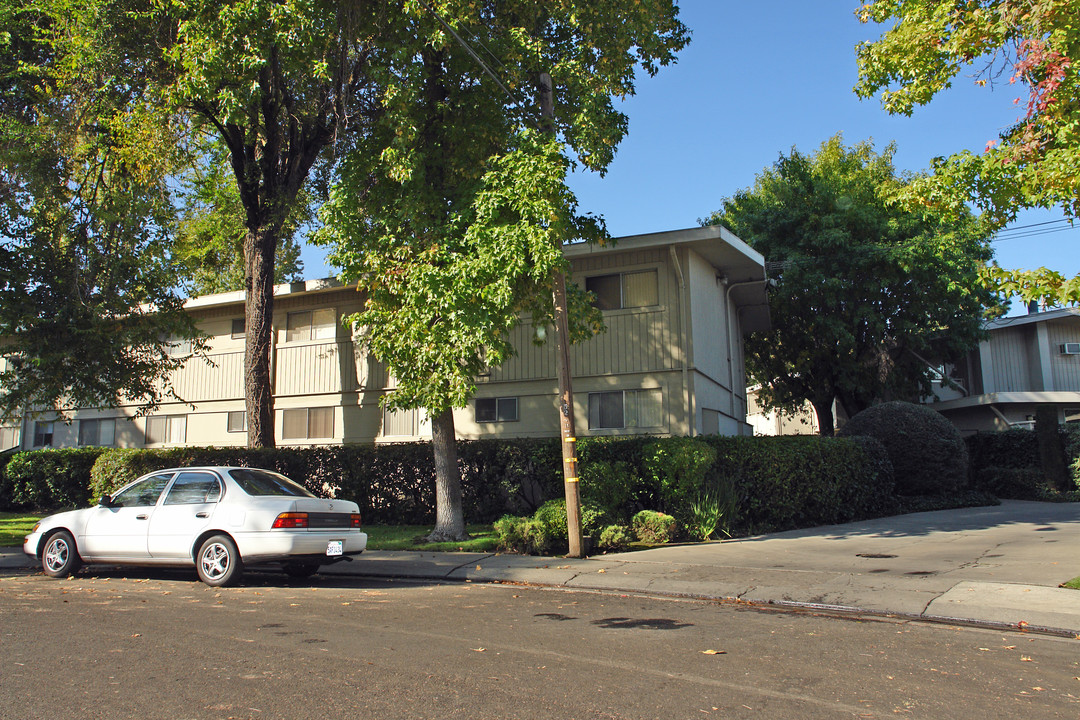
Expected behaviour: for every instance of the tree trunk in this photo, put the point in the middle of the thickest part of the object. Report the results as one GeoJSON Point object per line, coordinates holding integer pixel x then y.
{"type": "Point", "coordinates": [259, 250]}
{"type": "Point", "coordinates": [826, 421]}
{"type": "Point", "coordinates": [449, 518]}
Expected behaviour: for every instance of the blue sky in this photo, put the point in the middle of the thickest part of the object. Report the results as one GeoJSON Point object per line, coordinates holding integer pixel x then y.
{"type": "Point", "coordinates": [757, 79]}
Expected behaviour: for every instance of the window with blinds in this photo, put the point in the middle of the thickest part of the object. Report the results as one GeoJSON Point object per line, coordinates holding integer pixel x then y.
{"type": "Point", "coordinates": [625, 290]}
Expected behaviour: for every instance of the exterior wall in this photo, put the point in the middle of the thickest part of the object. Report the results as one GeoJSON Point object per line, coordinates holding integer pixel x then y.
{"type": "Point", "coordinates": [324, 383]}
{"type": "Point", "coordinates": [1018, 368]}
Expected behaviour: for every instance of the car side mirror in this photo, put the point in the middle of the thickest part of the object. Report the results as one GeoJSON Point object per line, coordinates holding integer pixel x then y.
{"type": "Point", "coordinates": [105, 501]}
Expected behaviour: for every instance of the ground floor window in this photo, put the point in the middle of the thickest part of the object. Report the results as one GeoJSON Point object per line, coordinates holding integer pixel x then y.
{"type": "Point", "coordinates": [166, 429]}
{"type": "Point", "coordinates": [496, 409]}
{"type": "Point", "coordinates": [626, 409]}
{"type": "Point", "coordinates": [237, 421]}
{"type": "Point", "coordinates": [97, 432]}
{"type": "Point", "coordinates": [308, 423]}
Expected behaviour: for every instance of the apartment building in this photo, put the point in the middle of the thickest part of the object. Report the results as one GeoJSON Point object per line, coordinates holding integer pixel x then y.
{"type": "Point", "coordinates": [676, 306]}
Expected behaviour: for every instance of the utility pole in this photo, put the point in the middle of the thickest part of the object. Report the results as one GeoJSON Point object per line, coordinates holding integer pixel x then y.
{"type": "Point", "coordinates": [562, 361]}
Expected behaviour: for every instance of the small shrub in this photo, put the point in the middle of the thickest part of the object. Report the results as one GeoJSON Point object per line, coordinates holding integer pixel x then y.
{"type": "Point", "coordinates": [713, 511]}
{"type": "Point", "coordinates": [927, 453]}
{"type": "Point", "coordinates": [615, 537]}
{"type": "Point", "coordinates": [654, 528]}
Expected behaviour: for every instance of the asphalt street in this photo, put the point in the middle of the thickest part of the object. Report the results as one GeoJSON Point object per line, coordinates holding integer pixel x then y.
{"type": "Point", "coordinates": [154, 644]}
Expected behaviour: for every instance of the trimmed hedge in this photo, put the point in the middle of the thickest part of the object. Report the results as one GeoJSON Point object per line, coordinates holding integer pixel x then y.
{"type": "Point", "coordinates": [928, 454]}
{"type": "Point", "coordinates": [48, 479]}
{"type": "Point", "coordinates": [1017, 449]}
{"type": "Point", "coordinates": [780, 483]}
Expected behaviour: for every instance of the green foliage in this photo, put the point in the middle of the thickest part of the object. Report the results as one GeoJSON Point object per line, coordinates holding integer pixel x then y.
{"type": "Point", "coordinates": [866, 289]}
{"type": "Point", "coordinates": [522, 534]}
{"type": "Point", "coordinates": [1013, 448]}
{"type": "Point", "coordinates": [609, 486]}
{"type": "Point", "coordinates": [654, 528]}
{"type": "Point", "coordinates": [713, 510]}
{"type": "Point", "coordinates": [925, 45]}
{"type": "Point", "coordinates": [615, 537]}
{"type": "Point", "coordinates": [927, 453]}
{"type": "Point", "coordinates": [1011, 482]}
{"type": "Point", "coordinates": [85, 213]}
{"type": "Point", "coordinates": [212, 224]}
{"type": "Point", "coordinates": [50, 479]}
{"type": "Point", "coordinates": [679, 466]}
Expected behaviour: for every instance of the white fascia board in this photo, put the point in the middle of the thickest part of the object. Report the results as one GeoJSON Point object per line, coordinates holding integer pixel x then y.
{"type": "Point", "coordinates": [284, 290]}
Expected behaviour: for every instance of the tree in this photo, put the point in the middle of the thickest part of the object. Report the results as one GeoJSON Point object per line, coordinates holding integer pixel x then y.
{"type": "Point", "coordinates": [210, 232]}
{"type": "Point", "coordinates": [451, 215]}
{"type": "Point", "coordinates": [85, 271]}
{"type": "Point", "coordinates": [1033, 163]}
{"type": "Point", "coordinates": [281, 84]}
{"type": "Point", "coordinates": [868, 294]}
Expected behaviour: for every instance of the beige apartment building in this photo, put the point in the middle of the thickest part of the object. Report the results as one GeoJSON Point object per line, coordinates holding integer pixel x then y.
{"type": "Point", "coordinates": [676, 305]}
{"type": "Point", "coordinates": [1026, 361]}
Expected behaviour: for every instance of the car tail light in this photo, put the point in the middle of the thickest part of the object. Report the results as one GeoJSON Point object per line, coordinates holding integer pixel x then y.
{"type": "Point", "coordinates": [354, 520]}
{"type": "Point", "coordinates": [290, 521]}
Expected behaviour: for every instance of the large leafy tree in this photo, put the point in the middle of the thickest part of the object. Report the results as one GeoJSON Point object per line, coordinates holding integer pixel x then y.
{"type": "Point", "coordinates": [85, 271]}
{"type": "Point", "coordinates": [279, 84]}
{"type": "Point", "coordinates": [868, 294]}
{"type": "Point", "coordinates": [452, 213]}
{"type": "Point", "coordinates": [1034, 44]}
{"type": "Point", "coordinates": [211, 227]}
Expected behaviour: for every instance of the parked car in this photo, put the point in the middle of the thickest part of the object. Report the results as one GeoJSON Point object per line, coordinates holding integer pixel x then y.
{"type": "Point", "coordinates": [219, 519]}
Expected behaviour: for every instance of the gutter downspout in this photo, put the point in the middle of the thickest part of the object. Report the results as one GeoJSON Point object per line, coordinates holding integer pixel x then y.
{"type": "Point", "coordinates": [684, 343]}
{"type": "Point", "coordinates": [731, 336]}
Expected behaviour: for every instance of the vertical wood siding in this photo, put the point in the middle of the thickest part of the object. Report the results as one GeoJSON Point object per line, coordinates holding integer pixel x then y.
{"type": "Point", "coordinates": [1066, 368]}
{"type": "Point", "coordinates": [1012, 366]}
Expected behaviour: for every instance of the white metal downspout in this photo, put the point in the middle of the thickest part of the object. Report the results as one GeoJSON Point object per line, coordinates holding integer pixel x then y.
{"type": "Point", "coordinates": [684, 341]}
{"type": "Point", "coordinates": [732, 334]}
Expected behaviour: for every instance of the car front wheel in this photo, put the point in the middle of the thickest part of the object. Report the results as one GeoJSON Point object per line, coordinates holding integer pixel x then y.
{"type": "Point", "coordinates": [60, 558]}
{"type": "Point", "coordinates": [218, 561]}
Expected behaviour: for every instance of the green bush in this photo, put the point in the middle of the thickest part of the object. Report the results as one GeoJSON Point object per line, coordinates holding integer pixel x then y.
{"type": "Point", "coordinates": [1012, 483]}
{"type": "Point", "coordinates": [615, 537]}
{"type": "Point", "coordinates": [522, 534]}
{"type": "Point", "coordinates": [928, 455]}
{"type": "Point", "coordinates": [654, 528]}
{"type": "Point", "coordinates": [51, 479]}
{"type": "Point", "coordinates": [609, 486]}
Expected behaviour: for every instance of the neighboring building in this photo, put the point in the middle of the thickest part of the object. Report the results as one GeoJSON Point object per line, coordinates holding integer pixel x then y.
{"type": "Point", "coordinates": [676, 305]}
{"type": "Point", "coordinates": [772, 422]}
{"type": "Point", "coordinates": [1025, 362]}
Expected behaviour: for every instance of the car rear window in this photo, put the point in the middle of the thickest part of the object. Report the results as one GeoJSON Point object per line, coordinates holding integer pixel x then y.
{"type": "Point", "coordinates": [263, 482]}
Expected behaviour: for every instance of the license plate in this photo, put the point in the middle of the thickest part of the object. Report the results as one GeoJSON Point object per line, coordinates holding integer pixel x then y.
{"type": "Point", "coordinates": [335, 547]}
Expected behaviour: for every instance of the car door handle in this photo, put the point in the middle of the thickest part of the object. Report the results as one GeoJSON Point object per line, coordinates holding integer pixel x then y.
{"type": "Point", "coordinates": [202, 514]}
{"type": "Point", "coordinates": [141, 517]}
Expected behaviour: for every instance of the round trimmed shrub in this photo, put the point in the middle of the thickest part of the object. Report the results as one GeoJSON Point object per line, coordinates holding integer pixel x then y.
{"type": "Point", "coordinates": [928, 454]}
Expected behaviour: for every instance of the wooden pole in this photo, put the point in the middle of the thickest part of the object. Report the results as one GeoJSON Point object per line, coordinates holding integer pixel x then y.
{"type": "Point", "coordinates": [562, 363]}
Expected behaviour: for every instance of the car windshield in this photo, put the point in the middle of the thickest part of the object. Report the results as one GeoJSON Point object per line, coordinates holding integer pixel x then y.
{"type": "Point", "coordinates": [263, 482]}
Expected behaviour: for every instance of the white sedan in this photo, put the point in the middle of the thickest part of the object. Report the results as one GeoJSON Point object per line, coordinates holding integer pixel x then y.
{"type": "Point", "coordinates": [219, 519]}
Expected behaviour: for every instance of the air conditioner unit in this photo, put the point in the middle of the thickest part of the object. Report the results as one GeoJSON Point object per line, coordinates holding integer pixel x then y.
{"type": "Point", "coordinates": [1070, 348]}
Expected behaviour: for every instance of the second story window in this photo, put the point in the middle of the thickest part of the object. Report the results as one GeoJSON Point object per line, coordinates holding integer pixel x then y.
{"type": "Point", "coordinates": [624, 290]}
{"type": "Point", "coordinates": [311, 325]}
{"type": "Point", "coordinates": [238, 328]}
{"type": "Point", "coordinates": [43, 434]}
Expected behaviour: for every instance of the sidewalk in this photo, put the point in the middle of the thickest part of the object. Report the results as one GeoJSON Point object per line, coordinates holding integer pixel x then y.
{"type": "Point", "coordinates": [993, 566]}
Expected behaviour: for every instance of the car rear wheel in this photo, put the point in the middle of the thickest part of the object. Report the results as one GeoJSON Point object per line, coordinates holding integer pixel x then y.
{"type": "Point", "coordinates": [218, 561]}
{"type": "Point", "coordinates": [60, 558]}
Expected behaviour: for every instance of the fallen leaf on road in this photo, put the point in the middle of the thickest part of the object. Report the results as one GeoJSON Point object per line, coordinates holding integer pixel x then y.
{"type": "Point", "coordinates": [479, 649]}
{"type": "Point", "coordinates": [714, 652]}
{"type": "Point", "coordinates": [601, 570]}
{"type": "Point", "coordinates": [1025, 658]}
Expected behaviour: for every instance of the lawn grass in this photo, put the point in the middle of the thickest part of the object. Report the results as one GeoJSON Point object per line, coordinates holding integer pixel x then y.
{"type": "Point", "coordinates": [482, 538]}
{"type": "Point", "coordinates": [14, 526]}
{"type": "Point", "coordinates": [1073, 584]}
